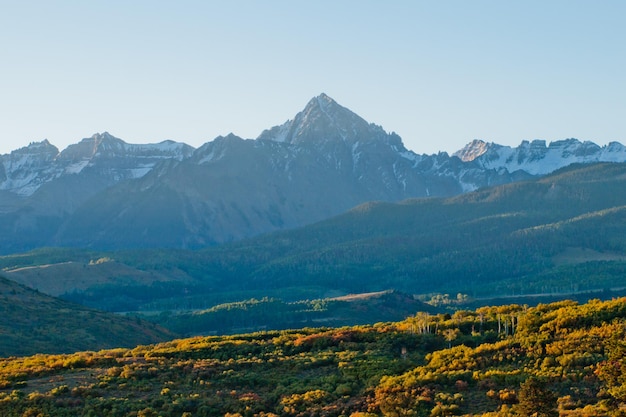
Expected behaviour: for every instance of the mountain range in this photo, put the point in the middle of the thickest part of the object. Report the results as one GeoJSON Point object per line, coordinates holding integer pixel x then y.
{"type": "Point", "coordinates": [103, 193]}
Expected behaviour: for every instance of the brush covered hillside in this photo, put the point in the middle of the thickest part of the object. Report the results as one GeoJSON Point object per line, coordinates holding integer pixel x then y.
{"type": "Point", "coordinates": [560, 235]}
{"type": "Point", "coordinates": [561, 359]}
{"type": "Point", "coordinates": [34, 323]}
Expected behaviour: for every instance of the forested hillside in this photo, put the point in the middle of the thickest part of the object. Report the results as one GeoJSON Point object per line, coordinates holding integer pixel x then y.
{"type": "Point", "coordinates": [556, 359]}
{"type": "Point", "coordinates": [501, 240]}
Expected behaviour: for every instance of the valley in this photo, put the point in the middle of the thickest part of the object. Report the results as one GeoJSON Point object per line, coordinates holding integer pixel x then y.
{"type": "Point", "coordinates": [320, 269]}
{"type": "Point", "coordinates": [558, 236]}
{"type": "Point", "coordinates": [561, 358]}
{"type": "Point", "coordinates": [312, 209]}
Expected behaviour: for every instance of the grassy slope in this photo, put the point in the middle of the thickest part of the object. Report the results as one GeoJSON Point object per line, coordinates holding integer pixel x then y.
{"type": "Point", "coordinates": [36, 323]}
{"type": "Point", "coordinates": [60, 278]}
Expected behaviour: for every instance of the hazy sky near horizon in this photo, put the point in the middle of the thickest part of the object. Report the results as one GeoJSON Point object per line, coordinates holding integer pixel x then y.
{"type": "Point", "coordinates": [438, 73]}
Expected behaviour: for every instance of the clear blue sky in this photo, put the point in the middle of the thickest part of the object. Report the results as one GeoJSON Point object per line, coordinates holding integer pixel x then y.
{"type": "Point", "coordinates": [438, 73]}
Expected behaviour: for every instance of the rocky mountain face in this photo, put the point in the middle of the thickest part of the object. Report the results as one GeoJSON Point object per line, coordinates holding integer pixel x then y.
{"type": "Point", "coordinates": [536, 158]}
{"type": "Point", "coordinates": [41, 187]}
{"type": "Point", "coordinates": [105, 193]}
{"type": "Point", "coordinates": [25, 170]}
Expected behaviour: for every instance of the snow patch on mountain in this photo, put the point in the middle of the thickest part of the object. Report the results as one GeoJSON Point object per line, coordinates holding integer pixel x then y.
{"type": "Point", "coordinates": [411, 156]}
{"type": "Point", "coordinates": [76, 167]}
{"type": "Point", "coordinates": [355, 155]}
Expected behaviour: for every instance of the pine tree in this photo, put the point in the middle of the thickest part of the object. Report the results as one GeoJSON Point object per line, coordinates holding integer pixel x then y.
{"type": "Point", "coordinates": [535, 399]}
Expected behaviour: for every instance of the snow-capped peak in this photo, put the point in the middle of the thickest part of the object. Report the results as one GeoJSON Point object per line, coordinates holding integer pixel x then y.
{"type": "Point", "coordinates": [472, 150]}
{"type": "Point", "coordinates": [25, 170]}
{"type": "Point", "coordinates": [537, 158]}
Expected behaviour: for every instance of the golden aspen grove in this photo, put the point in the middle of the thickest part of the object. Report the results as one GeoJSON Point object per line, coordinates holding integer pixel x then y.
{"type": "Point", "coordinates": [558, 359]}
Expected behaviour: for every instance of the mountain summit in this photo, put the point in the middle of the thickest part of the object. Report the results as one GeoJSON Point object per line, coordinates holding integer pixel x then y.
{"type": "Point", "coordinates": [105, 193]}
{"type": "Point", "coordinates": [323, 120]}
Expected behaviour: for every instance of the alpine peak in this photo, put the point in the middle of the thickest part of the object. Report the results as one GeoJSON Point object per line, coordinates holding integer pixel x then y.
{"type": "Point", "coordinates": [329, 110]}
{"type": "Point", "coordinates": [323, 103]}
{"type": "Point", "coordinates": [472, 150]}
{"type": "Point", "coordinates": [324, 121]}
{"type": "Point", "coordinates": [91, 146]}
